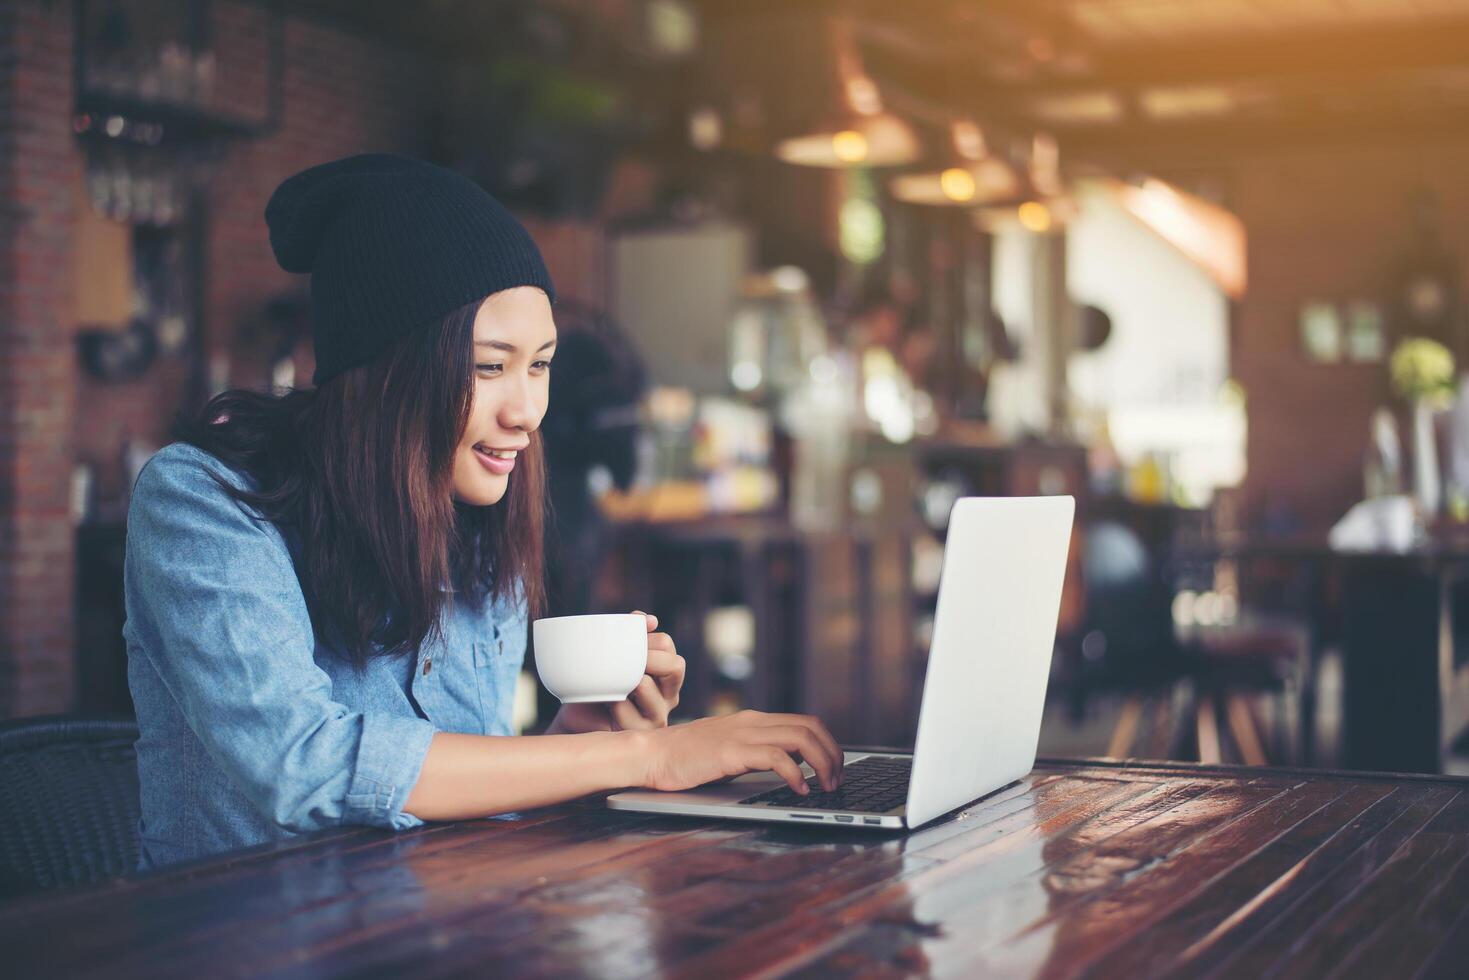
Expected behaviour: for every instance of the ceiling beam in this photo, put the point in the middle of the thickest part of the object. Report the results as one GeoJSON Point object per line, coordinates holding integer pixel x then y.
{"type": "Point", "coordinates": [1355, 51]}
{"type": "Point", "coordinates": [1142, 146]}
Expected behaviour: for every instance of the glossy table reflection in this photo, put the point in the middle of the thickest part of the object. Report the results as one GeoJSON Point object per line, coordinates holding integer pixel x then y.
{"type": "Point", "coordinates": [1082, 868]}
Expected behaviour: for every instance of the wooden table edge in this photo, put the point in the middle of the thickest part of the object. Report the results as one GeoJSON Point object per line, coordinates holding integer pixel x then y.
{"type": "Point", "coordinates": [369, 836]}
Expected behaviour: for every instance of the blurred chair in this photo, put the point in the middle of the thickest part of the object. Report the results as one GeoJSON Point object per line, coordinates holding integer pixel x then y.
{"type": "Point", "coordinates": [68, 801]}
{"type": "Point", "coordinates": [1127, 645]}
{"type": "Point", "coordinates": [1228, 666]}
{"type": "Point", "coordinates": [1130, 646]}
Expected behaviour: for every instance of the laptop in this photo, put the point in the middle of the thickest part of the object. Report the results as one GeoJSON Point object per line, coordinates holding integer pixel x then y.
{"type": "Point", "coordinates": [983, 694]}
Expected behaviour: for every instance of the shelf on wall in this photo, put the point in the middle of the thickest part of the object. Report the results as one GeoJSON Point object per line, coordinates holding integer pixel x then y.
{"type": "Point", "coordinates": [155, 64]}
{"type": "Point", "coordinates": [178, 122]}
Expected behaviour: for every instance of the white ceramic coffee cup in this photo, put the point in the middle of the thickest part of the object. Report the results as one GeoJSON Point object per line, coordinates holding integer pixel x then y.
{"type": "Point", "coordinates": [591, 658]}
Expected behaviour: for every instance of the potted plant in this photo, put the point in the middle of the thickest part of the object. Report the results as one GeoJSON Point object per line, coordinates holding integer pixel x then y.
{"type": "Point", "coordinates": [1423, 373]}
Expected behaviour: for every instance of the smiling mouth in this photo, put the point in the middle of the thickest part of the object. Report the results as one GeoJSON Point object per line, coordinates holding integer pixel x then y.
{"type": "Point", "coordinates": [497, 453]}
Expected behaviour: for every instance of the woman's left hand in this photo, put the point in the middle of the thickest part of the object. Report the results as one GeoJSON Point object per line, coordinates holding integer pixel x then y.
{"type": "Point", "coordinates": [649, 704]}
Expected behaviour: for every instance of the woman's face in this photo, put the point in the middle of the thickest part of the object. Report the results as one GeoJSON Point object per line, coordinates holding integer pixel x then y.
{"type": "Point", "coordinates": [514, 338]}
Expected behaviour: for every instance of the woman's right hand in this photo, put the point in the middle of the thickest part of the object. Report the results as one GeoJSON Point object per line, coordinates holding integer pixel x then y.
{"type": "Point", "coordinates": [699, 752]}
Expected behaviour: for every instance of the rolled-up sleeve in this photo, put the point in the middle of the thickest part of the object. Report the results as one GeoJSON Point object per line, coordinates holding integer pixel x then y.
{"type": "Point", "coordinates": [233, 644]}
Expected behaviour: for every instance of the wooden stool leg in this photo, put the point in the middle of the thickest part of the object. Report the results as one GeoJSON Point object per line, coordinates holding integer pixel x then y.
{"type": "Point", "coordinates": [1208, 722]}
{"type": "Point", "coordinates": [1183, 702]}
{"type": "Point", "coordinates": [1287, 727]}
{"type": "Point", "coordinates": [1242, 727]}
{"type": "Point", "coordinates": [1126, 728]}
{"type": "Point", "coordinates": [1161, 737]}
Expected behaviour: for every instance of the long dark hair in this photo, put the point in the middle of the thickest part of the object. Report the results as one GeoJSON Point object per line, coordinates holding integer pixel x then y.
{"type": "Point", "coordinates": [361, 470]}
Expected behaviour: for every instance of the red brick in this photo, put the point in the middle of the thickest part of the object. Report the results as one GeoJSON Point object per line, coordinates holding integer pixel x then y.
{"type": "Point", "coordinates": [343, 93]}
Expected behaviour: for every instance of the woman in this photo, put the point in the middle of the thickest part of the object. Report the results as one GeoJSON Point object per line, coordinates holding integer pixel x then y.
{"type": "Point", "coordinates": [327, 591]}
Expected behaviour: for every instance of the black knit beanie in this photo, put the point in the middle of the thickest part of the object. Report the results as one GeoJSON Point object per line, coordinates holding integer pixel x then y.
{"type": "Point", "coordinates": [393, 245]}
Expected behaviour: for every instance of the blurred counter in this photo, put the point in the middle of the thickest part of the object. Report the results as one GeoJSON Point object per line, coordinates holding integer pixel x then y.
{"type": "Point", "coordinates": [832, 617]}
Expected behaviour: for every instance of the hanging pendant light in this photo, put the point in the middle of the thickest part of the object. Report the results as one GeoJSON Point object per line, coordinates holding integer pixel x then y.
{"type": "Point", "coordinates": [856, 130]}
{"type": "Point", "coordinates": [972, 176]}
{"type": "Point", "coordinates": [1048, 204]}
{"type": "Point", "coordinates": [1041, 202]}
{"type": "Point", "coordinates": [877, 141]}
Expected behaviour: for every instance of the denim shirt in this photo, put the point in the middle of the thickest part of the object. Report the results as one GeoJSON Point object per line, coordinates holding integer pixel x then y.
{"type": "Point", "coordinates": [250, 729]}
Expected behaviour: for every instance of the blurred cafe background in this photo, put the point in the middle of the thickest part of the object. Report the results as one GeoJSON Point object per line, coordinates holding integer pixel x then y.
{"type": "Point", "coordinates": [826, 266]}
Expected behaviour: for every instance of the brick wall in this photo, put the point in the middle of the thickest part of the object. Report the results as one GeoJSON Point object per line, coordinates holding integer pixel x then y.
{"type": "Point", "coordinates": [344, 94]}
{"type": "Point", "coordinates": [1324, 224]}
{"type": "Point", "coordinates": [38, 393]}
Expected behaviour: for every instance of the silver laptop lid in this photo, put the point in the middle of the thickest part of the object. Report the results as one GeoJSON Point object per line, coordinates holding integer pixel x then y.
{"type": "Point", "coordinates": [994, 629]}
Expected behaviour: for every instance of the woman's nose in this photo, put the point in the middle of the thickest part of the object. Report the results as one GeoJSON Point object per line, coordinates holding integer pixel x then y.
{"type": "Point", "coordinates": [520, 410]}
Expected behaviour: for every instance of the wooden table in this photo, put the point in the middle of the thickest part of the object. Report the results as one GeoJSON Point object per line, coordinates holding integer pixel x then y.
{"type": "Point", "coordinates": [1083, 868]}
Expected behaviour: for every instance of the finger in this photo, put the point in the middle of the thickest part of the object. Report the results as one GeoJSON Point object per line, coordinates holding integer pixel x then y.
{"type": "Point", "coordinates": [649, 700]}
{"type": "Point", "coordinates": [795, 738]}
{"type": "Point", "coordinates": [668, 670]}
{"type": "Point", "coordinates": [816, 727]}
{"type": "Point", "coordinates": [628, 717]}
{"type": "Point", "coordinates": [661, 663]}
{"type": "Point", "coordinates": [780, 763]}
{"type": "Point", "coordinates": [652, 620]}
{"type": "Point", "coordinates": [827, 739]}
{"type": "Point", "coordinates": [798, 733]}
{"type": "Point", "coordinates": [661, 641]}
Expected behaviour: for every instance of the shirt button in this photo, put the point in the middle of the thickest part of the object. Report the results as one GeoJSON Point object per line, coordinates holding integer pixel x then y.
{"type": "Point", "coordinates": [428, 665]}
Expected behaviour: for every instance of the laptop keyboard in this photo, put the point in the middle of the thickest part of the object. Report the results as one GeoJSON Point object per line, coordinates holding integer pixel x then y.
{"type": "Point", "coordinates": [875, 784]}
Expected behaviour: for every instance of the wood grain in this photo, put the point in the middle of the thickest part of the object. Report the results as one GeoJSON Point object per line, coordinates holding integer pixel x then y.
{"type": "Point", "coordinates": [1082, 869]}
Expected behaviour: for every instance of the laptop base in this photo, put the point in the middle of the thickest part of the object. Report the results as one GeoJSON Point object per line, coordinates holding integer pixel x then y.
{"type": "Point", "coordinates": [724, 800]}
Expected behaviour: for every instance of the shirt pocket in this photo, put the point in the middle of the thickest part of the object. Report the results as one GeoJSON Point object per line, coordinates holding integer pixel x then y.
{"type": "Point", "coordinates": [498, 671]}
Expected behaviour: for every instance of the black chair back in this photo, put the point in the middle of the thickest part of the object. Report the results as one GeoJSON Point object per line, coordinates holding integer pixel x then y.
{"type": "Point", "coordinates": [68, 801]}
{"type": "Point", "coordinates": [1128, 634]}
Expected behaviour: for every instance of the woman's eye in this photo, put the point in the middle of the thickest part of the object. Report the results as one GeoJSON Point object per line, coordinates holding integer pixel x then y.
{"type": "Point", "coordinates": [492, 368]}
{"type": "Point", "coordinates": [541, 364]}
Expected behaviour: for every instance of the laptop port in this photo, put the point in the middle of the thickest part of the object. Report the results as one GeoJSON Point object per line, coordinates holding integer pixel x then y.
{"type": "Point", "coordinates": [872, 820]}
{"type": "Point", "coordinates": [844, 819]}
{"type": "Point", "coordinates": [807, 816]}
